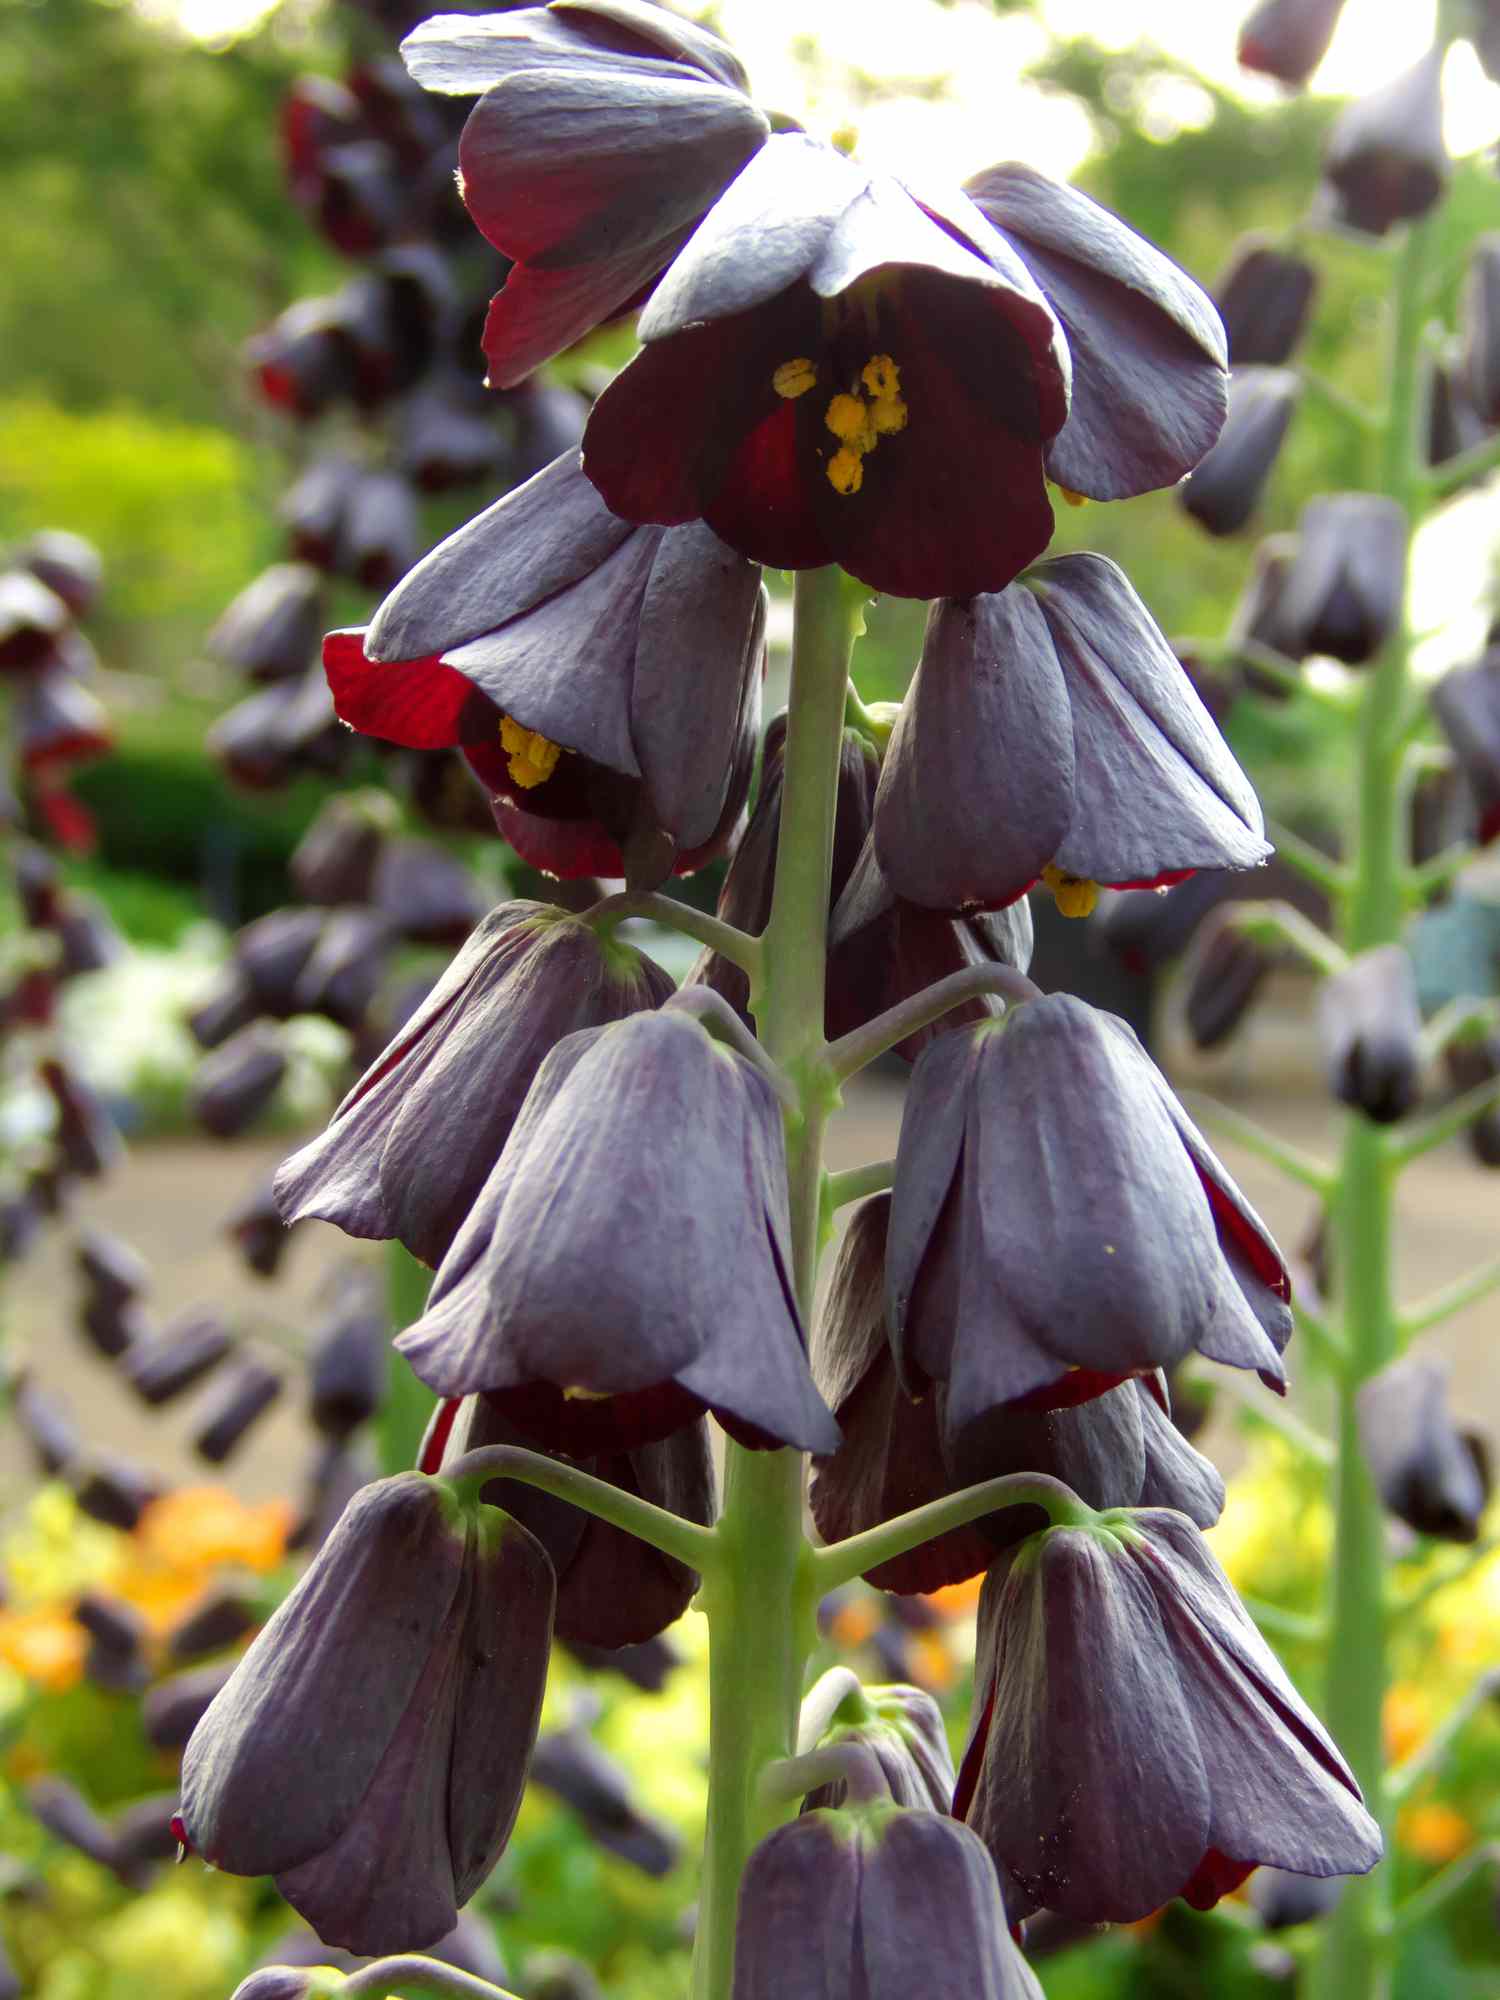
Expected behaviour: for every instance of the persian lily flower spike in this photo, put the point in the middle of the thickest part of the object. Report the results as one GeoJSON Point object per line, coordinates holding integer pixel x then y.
{"type": "Point", "coordinates": [622, 1189]}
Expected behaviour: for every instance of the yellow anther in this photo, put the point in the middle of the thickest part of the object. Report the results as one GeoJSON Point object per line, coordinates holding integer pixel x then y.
{"type": "Point", "coordinates": [881, 377]}
{"type": "Point", "coordinates": [845, 139]}
{"type": "Point", "coordinates": [533, 758]}
{"type": "Point", "coordinates": [572, 1393]}
{"type": "Point", "coordinates": [846, 471]}
{"type": "Point", "coordinates": [888, 414]}
{"type": "Point", "coordinates": [849, 420]}
{"type": "Point", "coordinates": [794, 378]}
{"type": "Point", "coordinates": [1073, 499]}
{"type": "Point", "coordinates": [1075, 895]}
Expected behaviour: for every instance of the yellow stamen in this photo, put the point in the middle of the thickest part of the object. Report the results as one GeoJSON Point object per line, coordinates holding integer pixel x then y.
{"type": "Point", "coordinates": [794, 378]}
{"type": "Point", "coordinates": [846, 471]}
{"type": "Point", "coordinates": [573, 1394]}
{"type": "Point", "coordinates": [1073, 499]}
{"type": "Point", "coordinates": [849, 420]}
{"type": "Point", "coordinates": [888, 414]}
{"type": "Point", "coordinates": [881, 377]}
{"type": "Point", "coordinates": [1075, 895]}
{"type": "Point", "coordinates": [533, 758]}
{"type": "Point", "coordinates": [845, 139]}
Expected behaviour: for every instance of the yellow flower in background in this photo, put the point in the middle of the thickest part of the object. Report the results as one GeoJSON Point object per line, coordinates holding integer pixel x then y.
{"type": "Point", "coordinates": [1406, 1719]}
{"type": "Point", "coordinates": [55, 1551]}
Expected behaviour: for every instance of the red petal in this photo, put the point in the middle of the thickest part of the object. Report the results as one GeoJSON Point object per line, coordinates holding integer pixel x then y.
{"type": "Point", "coordinates": [420, 703]}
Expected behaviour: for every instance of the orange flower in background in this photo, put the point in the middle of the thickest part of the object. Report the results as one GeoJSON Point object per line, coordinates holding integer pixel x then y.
{"type": "Point", "coordinates": [1405, 1719]}
{"type": "Point", "coordinates": [184, 1537]}
{"type": "Point", "coordinates": [44, 1646]}
{"type": "Point", "coordinates": [1435, 1832]}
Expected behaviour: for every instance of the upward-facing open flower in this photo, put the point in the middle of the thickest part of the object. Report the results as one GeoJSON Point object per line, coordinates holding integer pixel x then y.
{"type": "Point", "coordinates": [831, 375]}
{"type": "Point", "coordinates": [603, 680]}
{"type": "Point", "coordinates": [627, 1262]}
{"type": "Point", "coordinates": [370, 1748]}
{"type": "Point", "coordinates": [606, 129]}
{"type": "Point", "coordinates": [1050, 733]}
{"type": "Point", "coordinates": [1108, 1242]}
{"type": "Point", "coordinates": [410, 1147]}
{"type": "Point", "coordinates": [1135, 1738]}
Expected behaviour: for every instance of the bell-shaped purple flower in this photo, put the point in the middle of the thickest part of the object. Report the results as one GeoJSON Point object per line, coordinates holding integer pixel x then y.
{"type": "Point", "coordinates": [1466, 702]}
{"type": "Point", "coordinates": [1119, 1449]}
{"type": "Point", "coordinates": [1479, 321]}
{"type": "Point", "coordinates": [1287, 39]}
{"type": "Point", "coordinates": [903, 1730]}
{"type": "Point", "coordinates": [612, 1590]}
{"type": "Point", "coordinates": [273, 628]}
{"type": "Point", "coordinates": [1119, 1650]}
{"type": "Point", "coordinates": [410, 1147]}
{"type": "Point", "coordinates": [1112, 1243]}
{"type": "Point", "coordinates": [1370, 1023]}
{"type": "Point", "coordinates": [1050, 733]}
{"type": "Point", "coordinates": [874, 1903]}
{"type": "Point", "coordinates": [1225, 489]}
{"type": "Point", "coordinates": [832, 375]}
{"type": "Point", "coordinates": [378, 1822]}
{"type": "Point", "coordinates": [605, 130]}
{"type": "Point", "coordinates": [1146, 345]}
{"type": "Point", "coordinates": [627, 1262]}
{"type": "Point", "coordinates": [1225, 970]}
{"type": "Point", "coordinates": [1342, 592]}
{"type": "Point", "coordinates": [1429, 1473]}
{"type": "Point", "coordinates": [1386, 161]}
{"type": "Point", "coordinates": [1265, 297]}
{"type": "Point", "coordinates": [603, 680]}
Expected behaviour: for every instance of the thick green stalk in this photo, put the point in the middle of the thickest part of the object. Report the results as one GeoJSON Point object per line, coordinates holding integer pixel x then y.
{"type": "Point", "coordinates": [1355, 1957]}
{"type": "Point", "coordinates": [761, 1601]}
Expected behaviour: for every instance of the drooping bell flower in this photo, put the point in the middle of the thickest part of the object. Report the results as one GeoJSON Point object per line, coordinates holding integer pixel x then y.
{"type": "Point", "coordinates": [427, 894]}
{"type": "Point", "coordinates": [1386, 161]}
{"type": "Point", "coordinates": [236, 1083]}
{"type": "Point", "coordinates": [346, 1363]}
{"type": "Point", "coordinates": [381, 536]}
{"type": "Point", "coordinates": [874, 1902]}
{"type": "Point", "coordinates": [831, 375]}
{"type": "Point", "coordinates": [1265, 298]}
{"type": "Point", "coordinates": [569, 1764]}
{"type": "Point", "coordinates": [85, 1135]}
{"type": "Point", "coordinates": [258, 1232]}
{"type": "Point", "coordinates": [345, 967]}
{"type": "Point", "coordinates": [233, 1407]}
{"type": "Point", "coordinates": [1123, 1649]}
{"type": "Point", "coordinates": [186, 1350]}
{"type": "Point", "coordinates": [603, 680]}
{"type": "Point", "coordinates": [273, 628]}
{"type": "Point", "coordinates": [440, 1615]}
{"type": "Point", "coordinates": [1119, 1449]}
{"type": "Point", "coordinates": [33, 617]}
{"type": "Point", "coordinates": [1146, 345]}
{"type": "Point", "coordinates": [334, 861]}
{"type": "Point", "coordinates": [903, 1729]}
{"type": "Point", "coordinates": [1111, 1244]}
{"type": "Point", "coordinates": [627, 1262]}
{"type": "Point", "coordinates": [1226, 969]}
{"type": "Point", "coordinates": [1225, 489]}
{"type": "Point", "coordinates": [1454, 424]}
{"type": "Point", "coordinates": [605, 130]}
{"type": "Point", "coordinates": [1479, 319]}
{"type": "Point", "coordinates": [68, 565]}
{"type": "Point", "coordinates": [57, 722]}
{"type": "Point", "coordinates": [1370, 1024]}
{"type": "Point", "coordinates": [312, 509]}
{"type": "Point", "coordinates": [409, 1149]}
{"type": "Point", "coordinates": [1429, 1473]}
{"type": "Point", "coordinates": [612, 1590]}
{"type": "Point", "coordinates": [1050, 734]}
{"type": "Point", "coordinates": [1287, 39]}
{"type": "Point", "coordinates": [1342, 592]}
{"type": "Point", "coordinates": [1466, 702]}
{"type": "Point", "coordinates": [883, 950]}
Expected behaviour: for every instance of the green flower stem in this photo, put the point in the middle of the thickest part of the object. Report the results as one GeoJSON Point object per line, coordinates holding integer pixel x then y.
{"type": "Point", "coordinates": [823, 1701]}
{"type": "Point", "coordinates": [1443, 481]}
{"type": "Point", "coordinates": [737, 946]}
{"type": "Point", "coordinates": [1290, 1627]}
{"type": "Point", "coordinates": [842, 1561]}
{"type": "Point", "coordinates": [1427, 877]}
{"type": "Point", "coordinates": [1333, 877]}
{"type": "Point", "coordinates": [690, 1544]}
{"type": "Point", "coordinates": [854, 1183]}
{"type": "Point", "coordinates": [856, 1050]}
{"type": "Point", "coordinates": [1271, 1415]}
{"type": "Point", "coordinates": [1279, 923]}
{"type": "Point", "coordinates": [1441, 1305]}
{"type": "Point", "coordinates": [719, 1020]}
{"type": "Point", "coordinates": [1410, 1142]}
{"type": "Point", "coordinates": [407, 1405]}
{"type": "Point", "coordinates": [1433, 1896]}
{"type": "Point", "coordinates": [1467, 1018]}
{"type": "Point", "coordinates": [416, 1978]}
{"type": "Point", "coordinates": [787, 1782]}
{"type": "Point", "coordinates": [1288, 1159]}
{"type": "Point", "coordinates": [1354, 1958]}
{"type": "Point", "coordinates": [761, 1598]}
{"type": "Point", "coordinates": [1320, 1336]}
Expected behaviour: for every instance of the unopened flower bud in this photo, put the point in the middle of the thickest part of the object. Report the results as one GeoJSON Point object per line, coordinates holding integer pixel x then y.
{"type": "Point", "coordinates": [1264, 299]}
{"type": "Point", "coordinates": [903, 1728]}
{"type": "Point", "coordinates": [1429, 1474]}
{"type": "Point", "coordinates": [1386, 161]}
{"type": "Point", "coordinates": [1371, 1028]}
{"type": "Point", "coordinates": [236, 1083]}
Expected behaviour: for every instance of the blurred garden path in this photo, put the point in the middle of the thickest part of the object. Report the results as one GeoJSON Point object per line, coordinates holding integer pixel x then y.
{"type": "Point", "coordinates": [170, 1201]}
